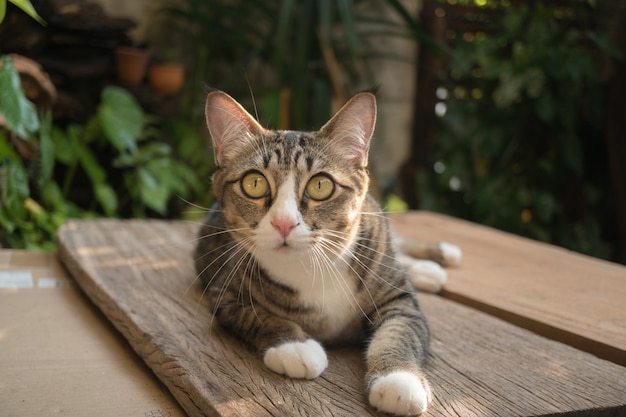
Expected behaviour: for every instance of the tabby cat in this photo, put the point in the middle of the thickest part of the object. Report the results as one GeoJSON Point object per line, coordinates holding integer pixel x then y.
{"type": "Point", "coordinates": [297, 254]}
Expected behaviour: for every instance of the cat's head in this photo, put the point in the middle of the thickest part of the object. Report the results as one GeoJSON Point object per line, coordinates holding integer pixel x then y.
{"type": "Point", "coordinates": [290, 192]}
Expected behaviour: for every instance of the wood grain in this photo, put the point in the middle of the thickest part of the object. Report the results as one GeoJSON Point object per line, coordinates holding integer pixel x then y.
{"type": "Point", "coordinates": [140, 274]}
{"type": "Point", "coordinates": [559, 294]}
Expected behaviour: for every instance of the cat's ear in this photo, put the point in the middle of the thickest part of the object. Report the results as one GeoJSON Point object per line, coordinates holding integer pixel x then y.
{"type": "Point", "coordinates": [351, 128]}
{"type": "Point", "coordinates": [230, 125]}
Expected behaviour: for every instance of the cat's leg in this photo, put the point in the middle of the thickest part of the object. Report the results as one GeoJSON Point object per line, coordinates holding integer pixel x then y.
{"type": "Point", "coordinates": [425, 275]}
{"type": "Point", "coordinates": [283, 346]}
{"type": "Point", "coordinates": [445, 254]}
{"type": "Point", "coordinates": [423, 262]}
{"type": "Point", "coordinates": [395, 381]}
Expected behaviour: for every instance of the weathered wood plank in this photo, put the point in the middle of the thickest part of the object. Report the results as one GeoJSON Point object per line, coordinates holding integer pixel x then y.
{"type": "Point", "coordinates": [140, 275]}
{"type": "Point", "coordinates": [559, 294]}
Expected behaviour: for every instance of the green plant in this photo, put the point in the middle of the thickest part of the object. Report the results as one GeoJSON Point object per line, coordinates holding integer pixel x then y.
{"type": "Point", "coordinates": [300, 57]}
{"type": "Point", "coordinates": [31, 208]}
{"type": "Point", "coordinates": [118, 164]}
{"type": "Point", "coordinates": [525, 110]}
{"type": "Point", "coordinates": [150, 175]}
{"type": "Point", "coordinates": [25, 5]}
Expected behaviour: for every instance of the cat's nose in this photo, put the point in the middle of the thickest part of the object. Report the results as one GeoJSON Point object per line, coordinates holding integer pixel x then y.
{"type": "Point", "coordinates": [285, 225]}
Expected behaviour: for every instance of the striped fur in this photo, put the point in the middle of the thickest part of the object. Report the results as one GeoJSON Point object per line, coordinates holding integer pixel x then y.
{"type": "Point", "coordinates": [287, 273]}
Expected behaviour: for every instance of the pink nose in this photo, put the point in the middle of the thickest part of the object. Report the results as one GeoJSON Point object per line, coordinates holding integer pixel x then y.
{"type": "Point", "coordinates": [285, 225]}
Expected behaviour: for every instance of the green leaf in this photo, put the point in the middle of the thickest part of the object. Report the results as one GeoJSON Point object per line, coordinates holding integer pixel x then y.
{"type": "Point", "coordinates": [152, 151]}
{"type": "Point", "coordinates": [64, 145]}
{"type": "Point", "coordinates": [90, 164]}
{"type": "Point", "coordinates": [121, 118]}
{"type": "Point", "coordinates": [16, 181]}
{"type": "Point", "coordinates": [6, 221]}
{"type": "Point", "coordinates": [3, 10]}
{"type": "Point", "coordinates": [19, 112]}
{"type": "Point", "coordinates": [28, 8]}
{"type": "Point", "coordinates": [46, 149]}
{"type": "Point", "coordinates": [146, 178]}
{"type": "Point", "coordinates": [155, 198]}
{"type": "Point", "coordinates": [52, 196]}
{"type": "Point", "coordinates": [6, 149]}
{"type": "Point", "coordinates": [106, 197]}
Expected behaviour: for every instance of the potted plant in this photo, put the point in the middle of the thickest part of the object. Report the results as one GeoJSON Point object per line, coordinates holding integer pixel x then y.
{"type": "Point", "coordinates": [131, 64]}
{"type": "Point", "coordinates": [166, 77]}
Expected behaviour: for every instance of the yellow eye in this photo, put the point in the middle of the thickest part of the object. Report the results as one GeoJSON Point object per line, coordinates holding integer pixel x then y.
{"type": "Point", "coordinates": [320, 187]}
{"type": "Point", "coordinates": [254, 185]}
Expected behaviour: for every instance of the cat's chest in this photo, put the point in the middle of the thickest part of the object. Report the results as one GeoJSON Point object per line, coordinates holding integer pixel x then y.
{"type": "Point", "coordinates": [335, 306]}
{"type": "Point", "coordinates": [328, 293]}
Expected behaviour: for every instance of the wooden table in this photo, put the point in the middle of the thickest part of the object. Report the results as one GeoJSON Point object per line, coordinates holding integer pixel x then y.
{"type": "Point", "coordinates": [522, 328]}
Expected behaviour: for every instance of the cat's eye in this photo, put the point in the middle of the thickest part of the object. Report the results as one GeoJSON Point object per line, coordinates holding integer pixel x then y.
{"type": "Point", "coordinates": [255, 185]}
{"type": "Point", "coordinates": [320, 187]}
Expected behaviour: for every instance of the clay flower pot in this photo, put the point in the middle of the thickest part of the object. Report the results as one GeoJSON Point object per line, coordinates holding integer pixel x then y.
{"type": "Point", "coordinates": [167, 78]}
{"type": "Point", "coordinates": [132, 64]}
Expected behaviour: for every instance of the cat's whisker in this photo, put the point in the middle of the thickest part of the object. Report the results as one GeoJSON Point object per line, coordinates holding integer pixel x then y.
{"type": "Point", "coordinates": [347, 239]}
{"type": "Point", "coordinates": [247, 256]}
{"type": "Point", "coordinates": [370, 270]}
{"type": "Point", "coordinates": [229, 278]}
{"type": "Point", "coordinates": [232, 245]}
{"type": "Point", "coordinates": [210, 235]}
{"type": "Point", "coordinates": [189, 242]}
{"type": "Point", "coordinates": [371, 249]}
{"type": "Point", "coordinates": [380, 214]}
{"type": "Point", "coordinates": [204, 209]}
{"type": "Point", "coordinates": [342, 284]}
{"type": "Point", "coordinates": [255, 264]}
{"type": "Point", "coordinates": [326, 264]}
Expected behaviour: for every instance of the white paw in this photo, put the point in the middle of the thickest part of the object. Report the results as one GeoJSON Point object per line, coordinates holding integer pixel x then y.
{"type": "Point", "coordinates": [297, 359]}
{"type": "Point", "coordinates": [452, 254]}
{"type": "Point", "coordinates": [425, 275]}
{"type": "Point", "coordinates": [400, 393]}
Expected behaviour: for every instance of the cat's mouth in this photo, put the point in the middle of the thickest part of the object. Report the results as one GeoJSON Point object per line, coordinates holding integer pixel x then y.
{"type": "Point", "coordinates": [288, 247]}
{"type": "Point", "coordinates": [284, 246]}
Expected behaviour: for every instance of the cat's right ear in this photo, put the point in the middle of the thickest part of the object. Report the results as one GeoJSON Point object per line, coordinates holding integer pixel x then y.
{"type": "Point", "coordinates": [232, 128]}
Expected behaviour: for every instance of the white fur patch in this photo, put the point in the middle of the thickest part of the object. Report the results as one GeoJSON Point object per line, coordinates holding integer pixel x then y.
{"type": "Point", "coordinates": [452, 254]}
{"type": "Point", "coordinates": [400, 393]}
{"type": "Point", "coordinates": [425, 275]}
{"type": "Point", "coordinates": [297, 359]}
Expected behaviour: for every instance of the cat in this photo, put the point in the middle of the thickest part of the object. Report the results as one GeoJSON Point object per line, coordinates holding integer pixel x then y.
{"type": "Point", "coordinates": [297, 254]}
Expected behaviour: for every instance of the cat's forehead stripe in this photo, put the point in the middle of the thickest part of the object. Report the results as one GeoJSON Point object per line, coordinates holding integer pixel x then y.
{"type": "Point", "coordinates": [288, 150]}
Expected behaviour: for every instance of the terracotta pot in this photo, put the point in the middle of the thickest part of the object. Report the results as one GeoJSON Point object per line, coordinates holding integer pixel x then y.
{"type": "Point", "coordinates": [131, 64]}
{"type": "Point", "coordinates": [168, 78]}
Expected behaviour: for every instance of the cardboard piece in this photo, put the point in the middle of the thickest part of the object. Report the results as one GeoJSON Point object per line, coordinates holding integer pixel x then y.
{"type": "Point", "coordinates": [60, 356]}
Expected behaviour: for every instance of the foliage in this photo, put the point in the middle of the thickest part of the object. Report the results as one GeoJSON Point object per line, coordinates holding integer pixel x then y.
{"type": "Point", "coordinates": [297, 55]}
{"type": "Point", "coordinates": [525, 108]}
{"type": "Point", "coordinates": [115, 165]}
{"type": "Point", "coordinates": [25, 5]}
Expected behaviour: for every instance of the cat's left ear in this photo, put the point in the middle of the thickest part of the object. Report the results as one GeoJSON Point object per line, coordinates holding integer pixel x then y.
{"type": "Point", "coordinates": [352, 127]}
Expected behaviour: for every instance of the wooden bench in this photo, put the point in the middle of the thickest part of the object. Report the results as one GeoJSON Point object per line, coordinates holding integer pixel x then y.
{"type": "Point", "coordinates": [140, 274]}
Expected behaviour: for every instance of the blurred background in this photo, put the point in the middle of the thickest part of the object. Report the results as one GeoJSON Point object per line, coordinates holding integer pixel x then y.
{"type": "Point", "coordinates": [507, 113]}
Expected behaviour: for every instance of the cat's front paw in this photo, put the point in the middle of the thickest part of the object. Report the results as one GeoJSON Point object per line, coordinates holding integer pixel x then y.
{"type": "Point", "coordinates": [401, 393]}
{"type": "Point", "coordinates": [425, 275]}
{"type": "Point", "coordinates": [297, 359]}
